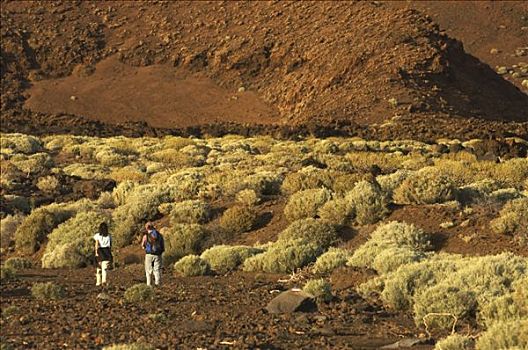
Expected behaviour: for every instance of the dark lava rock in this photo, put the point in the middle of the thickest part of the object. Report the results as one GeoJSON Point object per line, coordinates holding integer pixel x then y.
{"type": "Point", "coordinates": [291, 301]}
{"type": "Point", "coordinates": [93, 188]}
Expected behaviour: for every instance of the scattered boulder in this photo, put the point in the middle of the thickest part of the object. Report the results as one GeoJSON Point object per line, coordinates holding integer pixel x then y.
{"type": "Point", "coordinates": [292, 300]}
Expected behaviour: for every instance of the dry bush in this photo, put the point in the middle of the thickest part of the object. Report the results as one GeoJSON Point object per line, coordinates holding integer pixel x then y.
{"type": "Point", "coordinates": [32, 231]}
{"type": "Point", "coordinates": [185, 184]}
{"type": "Point", "coordinates": [304, 204]}
{"type": "Point", "coordinates": [106, 201]}
{"type": "Point", "coordinates": [307, 178]}
{"type": "Point", "coordinates": [248, 197]}
{"type": "Point", "coordinates": [319, 288]}
{"type": "Point", "coordinates": [443, 298]}
{"type": "Point", "coordinates": [513, 218]}
{"type": "Point", "coordinates": [312, 230]}
{"type": "Point", "coordinates": [329, 261]}
{"type": "Point", "coordinates": [369, 202]}
{"type": "Point", "coordinates": [344, 183]}
{"type": "Point", "coordinates": [504, 335]}
{"type": "Point", "coordinates": [390, 182]}
{"type": "Point", "coordinates": [7, 273]}
{"type": "Point", "coordinates": [339, 211]}
{"type": "Point", "coordinates": [32, 164]}
{"type": "Point", "coordinates": [141, 205]}
{"type": "Point", "coordinates": [190, 212]}
{"type": "Point", "coordinates": [18, 263]}
{"type": "Point", "coordinates": [19, 143]}
{"type": "Point", "coordinates": [223, 258]}
{"type": "Point", "coordinates": [10, 176]}
{"type": "Point", "coordinates": [191, 265]}
{"type": "Point", "coordinates": [504, 194]}
{"type": "Point", "coordinates": [87, 171]}
{"type": "Point", "coordinates": [284, 256]}
{"type": "Point", "coordinates": [109, 157]}
{"type": "Point", "coordinates": [71, 243]}
{"type": "Point", "coordinates": [477, 191]}
{"type": "Point", "coordinates": [128, 173]}
{"type": "Point", "coordinates": [392, 258]}
{"type": "Point", "coordinates": [176, 142]}
{"type": "Point", "coordinates": [47, 291]}
{"type": "Point", "coordinates": [139, 293]}
{"type": "Point", "coordinates": [238, 219]}
{"type": "Point", "coordinates": [121, 192]}
{"type": "Point", "coordinates": [177, 158]}
{"type": "Point", "coordinates": [48, 184]}
{"type": "Point", "coordinates": [426, 186]}
{"type": "Point", "coordinates": [8, 227]}
{"type": "Point", "coordinates": [181, 240]}
{"type": "Point", "coordinates": [454, 342]}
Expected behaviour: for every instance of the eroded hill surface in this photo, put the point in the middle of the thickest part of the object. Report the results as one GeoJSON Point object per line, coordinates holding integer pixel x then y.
{"type": "Point", "coordinates": [306, 65]}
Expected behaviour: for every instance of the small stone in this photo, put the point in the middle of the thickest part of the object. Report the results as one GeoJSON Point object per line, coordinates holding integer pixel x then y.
{"type": "Point", "coordinates": [241, 89]}
{"type": "Point", "coordinates": [502, 70]}
{"type": "Point", "coordinates": [494, 51]}
{"type": "Point", "coordinates": [73, 98]}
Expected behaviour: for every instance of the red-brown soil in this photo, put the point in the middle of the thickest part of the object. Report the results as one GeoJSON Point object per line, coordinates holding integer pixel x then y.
{"type": "Point", "coordinates": [306, 64]}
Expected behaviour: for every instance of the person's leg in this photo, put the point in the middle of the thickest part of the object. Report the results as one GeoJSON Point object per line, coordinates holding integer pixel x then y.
{"type": "Point", "coordinates": [157, 270]}
{"type": "Point", "coordinates": [98, 276]}
{"type": "Point", "coordinates": [104, 269]}
{"type": "Point", "coordinates": [148, 267]}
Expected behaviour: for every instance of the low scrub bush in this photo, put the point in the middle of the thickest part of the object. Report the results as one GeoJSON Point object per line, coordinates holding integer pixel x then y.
{"type": "Point", "coordinates": [109, 157]}
{"type": "Point", "coordinates": [139, 293]}
{"type": "Point", "coordinates": [87, 171]}
{"type": "Point", "coordinates": [190, 212]}
{"type": "Point", "coordinates": [129, 173]}
{"type": "Point", "coordinates": [339, 211]}
{"type": "Point", "coordinates": [344, 183]}
{"type": "Point", "coordinates": [390, 182]}
{"type": "Point", "coordinates": [329, 261]}
{"type": "Point", "coordinates": [7, 273]}
{"type": "Point", "coordinates": [191, 265]}
{"type": "Point", "coordinates": [238, 219]}
{"type": "Point", "coordinates": [248, 197]}
{"type": "Point", "coordinates": [19, 143]}
{"type": "Point", "coordinates": [443, 298]}
{"type": "Point", "coordinates": [513, 218]}
{"type": "Point", "coordinates": [284, 256]}
{"type": "Point", "coordinates": [18, 263]}
{"type": "Point", "coordinates": [304, 204]}
{"type": "Point", "coordinates": [223, 258]}
{"type": "Point", "coordinates": [133, 346]}
{"type": "Point", "coordinates": [319, 288]}
{"type": "Point", "coordinates": [505, 335]}
{"type": "Point", "coordinates": [71, 243]}
{"type": "Point", "coordinates": [121, 192]}
{"type": "Point", "coordinates": [369, 202]}
{"type": "Point", "coordinates": [455, 342]}
{"type": "Point", "coordinates": [307, 178]}
{"type": "Point", "coordinates": [182, 240]}
{"type": "Point", "coordinates": [8, 227]}
{"type": "Point", "coordinates": [312, 230]}
{"type": "Point", "coordinates": [392, 258]}
{"type": "Point", "coordinates": [34, 164]}
{"type": "Point", "coordinates": [32, 231]}
{"type": "Point", "coordinates": [48, 184]}
{"type": "Point", "coordinates": [426, 186]}
{"type": "Point", "coordinates": [47, 291]}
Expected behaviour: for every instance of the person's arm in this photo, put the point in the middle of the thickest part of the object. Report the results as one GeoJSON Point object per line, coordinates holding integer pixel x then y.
{"type": "Point", "coordinates": [144, 242]}
{"type": "Point", "coordinates": [96, 247]}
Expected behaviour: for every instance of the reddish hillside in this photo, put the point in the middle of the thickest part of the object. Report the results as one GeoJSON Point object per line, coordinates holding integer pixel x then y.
{"type": "Point", "coordinates": [299, 64]}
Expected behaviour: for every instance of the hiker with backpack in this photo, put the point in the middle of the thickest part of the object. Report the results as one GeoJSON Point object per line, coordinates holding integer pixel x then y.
{"type": "Point", "coordinates": [154, 247]}
{"type": "Point", "coordinates": [103, 253]}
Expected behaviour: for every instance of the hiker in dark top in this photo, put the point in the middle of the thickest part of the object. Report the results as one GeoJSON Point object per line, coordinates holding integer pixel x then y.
{"type": "Point", "coordinates": [154, 247]}
{"type": "Point", "coordinates": [103, 253]}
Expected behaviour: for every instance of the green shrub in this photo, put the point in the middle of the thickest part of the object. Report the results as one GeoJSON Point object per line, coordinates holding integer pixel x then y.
{"type": "Point", "coordinates": [10, 310]}
{"type": "Point", "coordinates": [18, 263]}
{"type": "Point", "coordinates": [390, 182]}
{"type": "Point", "coordinates": [223, 258]}
{"type": "Point", "coordinates": [192, 265]}
{"type": "Point", "coordinates": [109, 157]}
{"type": "Point", "coordinates": [477, 191]}
{"type": "Point", "coordinates": [48, 184]}
{"type": "Point", "coordinates": [238, 219]}
{"type": "Point", "coordinates": [319, 288]}
{"type": "Point", "coordinates": [33, 230]}
{"type": "Point", "coordinates": [392, 258]}
{"type": "Point", "coordinates": [426, 186]}
{"type": "Point", "coordinates": [455, 342]}
{"type": "Point", "coordinates": [369, 202]}
{"type": "Point", "coordinates": [139, 293]}
{"type": "Point", "coordinates": [311, 230]}
{"type": "Point", "coordinates": [129, 173]}
{"type": "Point", "coordinates": [248, 197]}
{"type": "Point", "coordinates": [121, 192]}
{"type": "Point", "coordinates": [190, 212]}
{"type": "Point", "coordinates": [71, 243]}
{"type": "Point", "coordinates": [133, 346]}
{"type": "Point", "coordinates": [304, 204]}
{"type": "Point", "coordinates": [306, 178]}
{"type": "Point", "coordinates": [8, 227]}
{"type": "Point", "coordinates": [182, 240]}
{"type": "Point", "coordinates": [47, 291]}
{"type": "Point", "coordinates": [513, 218]}
{"type": "Point", "coordinates": [391, 236]}
{"type": "Point", "coordinates": [504, 335]}
{"type": "Point", "coordinates": [440, 299]}
{"type": "Point", "coordinates": [19, 143]}
{"type": "Point", "coordinates": [7, 273]}
{"type": "Point", "coordinates": [338, 211]}
{"type": "Point", "coordinates": [33, 164]}
{"type": "Point", "coordinates": [329, 261]}
{"type": "Point", "coordinates": [87, 171]}
{"type": "Point", "coordinates": [344, 183]}
{"type": "Point", "coordinates": [284, 256]}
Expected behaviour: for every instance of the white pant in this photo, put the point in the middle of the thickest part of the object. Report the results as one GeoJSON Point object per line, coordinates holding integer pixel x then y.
{"type": "Point", "coordinates": [101, 273]}
{"type": "Point", "coordinates": [153, 265]}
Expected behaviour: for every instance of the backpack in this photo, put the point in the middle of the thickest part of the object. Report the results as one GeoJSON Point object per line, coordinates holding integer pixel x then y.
{"type": "Point", "coordinates": [155, 243]}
